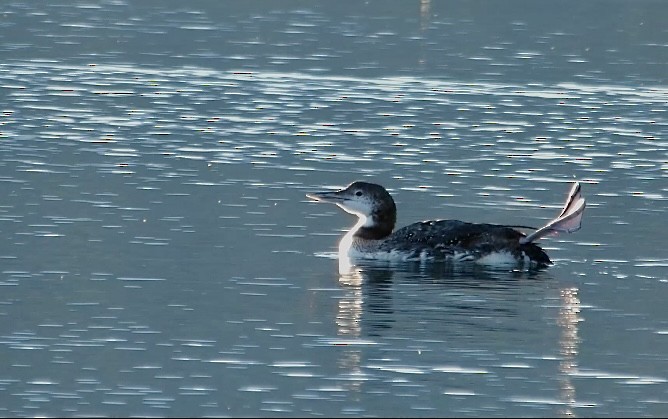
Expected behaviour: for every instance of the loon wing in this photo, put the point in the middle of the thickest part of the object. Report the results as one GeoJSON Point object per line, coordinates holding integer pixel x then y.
{"type": "Point", "coordinates": [568, 221]}
{"type": "Point", "coordinates": [444, 239]}
{"type": "Point", "coordinates": [452, 234]}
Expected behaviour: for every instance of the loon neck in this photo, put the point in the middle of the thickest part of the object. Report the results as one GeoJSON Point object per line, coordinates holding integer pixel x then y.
{"type": "Point", "coordinates": [377, 226]}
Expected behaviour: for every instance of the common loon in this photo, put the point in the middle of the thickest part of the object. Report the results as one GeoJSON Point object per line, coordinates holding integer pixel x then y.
{"type": "Point", "coordinates": [441, 240]}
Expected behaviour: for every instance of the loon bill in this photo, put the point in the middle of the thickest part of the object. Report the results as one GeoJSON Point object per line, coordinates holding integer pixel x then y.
{"type": "Point", "coordinates": [373, 237]}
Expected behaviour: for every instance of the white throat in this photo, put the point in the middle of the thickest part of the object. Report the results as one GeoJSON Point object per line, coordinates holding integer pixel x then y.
{"type": "Point", "coordinates": [346, 243]}
{"type": "Point", "coordinates": [363, 219]}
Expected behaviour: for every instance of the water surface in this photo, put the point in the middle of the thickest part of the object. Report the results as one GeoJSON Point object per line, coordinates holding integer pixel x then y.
{"type": "Point", "coordinates": [160, 256]}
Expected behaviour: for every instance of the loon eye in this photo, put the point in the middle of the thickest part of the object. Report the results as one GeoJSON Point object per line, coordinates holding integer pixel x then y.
{"type": "Point", "coordinates": [358, 193]}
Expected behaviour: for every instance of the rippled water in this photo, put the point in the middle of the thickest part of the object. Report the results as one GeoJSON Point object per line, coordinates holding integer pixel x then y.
{"type": "Point", "coordinates": [160, 256]}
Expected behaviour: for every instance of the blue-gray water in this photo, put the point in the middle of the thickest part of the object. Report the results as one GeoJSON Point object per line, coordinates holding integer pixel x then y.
{"type": "Point", "coordinates": [159, 256]}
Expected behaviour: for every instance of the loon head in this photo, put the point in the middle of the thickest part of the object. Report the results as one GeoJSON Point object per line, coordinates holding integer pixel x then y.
{"type": "Point", "coordinates": [371, 203]}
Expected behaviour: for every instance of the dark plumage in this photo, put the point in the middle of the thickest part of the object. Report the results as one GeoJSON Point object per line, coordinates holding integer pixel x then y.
{"type": "Point", "coordinates": [443, 239]}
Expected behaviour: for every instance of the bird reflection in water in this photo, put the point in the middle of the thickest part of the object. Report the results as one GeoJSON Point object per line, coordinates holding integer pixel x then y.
{"type": "Point", "coordinates": [348, 321]}
{"type": "Point", "coordinates": [425, 12]}
{"type": "Point", "coordinates": [366, 311]}
{"type": "Point", "coordinates": [569, 316]}
{"type": "Point", "coordinates": [366, 294]}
